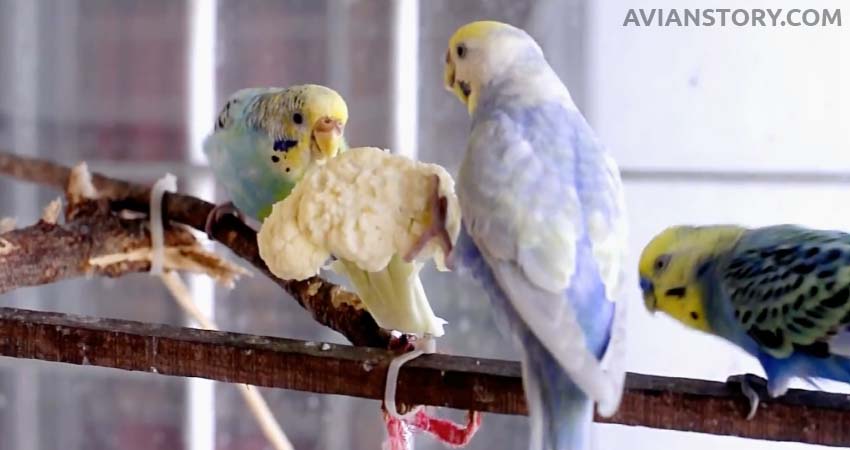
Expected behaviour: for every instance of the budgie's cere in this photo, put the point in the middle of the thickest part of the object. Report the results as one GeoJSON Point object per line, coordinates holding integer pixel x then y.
{"type": "Point", "coordinates": [543, 211]}
{"type": "Point", "coordinates": [781, 293]}
{"type": "Point", "coordinates": [374, 212]}
{"type": "Point", "coordinates": [265, 140]}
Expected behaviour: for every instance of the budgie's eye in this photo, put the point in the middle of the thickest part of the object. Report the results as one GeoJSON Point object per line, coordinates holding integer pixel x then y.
{"type": "Point", "coordinates": [461, 50]}
{"type": "Point", "coordinates": [298, 118]}
{"type": "Point", "coordinates": [661, 263]}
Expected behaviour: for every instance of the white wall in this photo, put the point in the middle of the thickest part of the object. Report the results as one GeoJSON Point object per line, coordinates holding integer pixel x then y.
{"type": "Point", "coordinates": [721, 98]}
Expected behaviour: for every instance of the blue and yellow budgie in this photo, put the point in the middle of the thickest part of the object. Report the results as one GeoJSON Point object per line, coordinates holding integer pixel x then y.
{"type": "Point", "coordinates": [781, 293]}
{"type": "Point", "coordinates": [542, 207]}
{"type": "Point", "coordinates": [265, 139]}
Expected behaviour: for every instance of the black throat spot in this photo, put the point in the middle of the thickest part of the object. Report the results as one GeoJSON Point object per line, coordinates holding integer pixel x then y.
{"type": "Point", "coordinates": [465, 88]}
{"type": "Point", "coordinates": [678, 292]}
{"type": "Point", "coordinates": [283, 145]}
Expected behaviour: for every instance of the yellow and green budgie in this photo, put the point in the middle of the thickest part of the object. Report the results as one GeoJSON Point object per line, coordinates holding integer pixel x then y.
{"type": "Point", "coordinates": [265, 140]}
{"type": "Point", "coordinates": [545, 229]}
{"type": "Point", "coordinates": [781, 293]}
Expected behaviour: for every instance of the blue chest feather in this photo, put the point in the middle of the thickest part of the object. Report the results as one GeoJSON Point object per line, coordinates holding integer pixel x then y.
{"type": "Point", "coordinates": [562, 143]}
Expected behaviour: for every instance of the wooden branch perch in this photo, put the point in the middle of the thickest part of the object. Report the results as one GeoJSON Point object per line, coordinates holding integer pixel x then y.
{"type": "Point", "coordinates": [440, 380]}
{"type": "Point", "coordinates": [327, 303]}
{"type": "Point", "coordinates": [94, 240]}
{"type": "Point", "coordinates": [48, 252]}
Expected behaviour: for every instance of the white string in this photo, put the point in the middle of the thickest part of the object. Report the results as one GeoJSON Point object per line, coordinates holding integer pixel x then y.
{"type": "Point", "coordinates": [168, 183]}
{"type": "Point", "coordinates": [426, 345]}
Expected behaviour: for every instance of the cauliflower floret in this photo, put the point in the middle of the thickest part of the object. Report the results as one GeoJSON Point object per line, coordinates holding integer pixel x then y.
{"type": "Point", "coordinates": [381, 215]}
{"type": "Point", "coordinates": [281, 243]}
{"type": "Point", "coordinates": [364, 206]}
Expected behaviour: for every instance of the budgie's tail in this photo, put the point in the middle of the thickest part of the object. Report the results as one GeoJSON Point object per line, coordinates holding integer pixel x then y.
{"type": "Point", "coordinates": [394, 296]}
{"type": "Point", "coordinates": [560, 414]}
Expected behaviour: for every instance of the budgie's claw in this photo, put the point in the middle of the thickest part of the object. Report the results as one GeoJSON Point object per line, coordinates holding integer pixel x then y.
{"type": "Point", "coordinates": [438, 206]}
{"type": "Point", "coordinates": [403, 344]}
{"type": "Point", "coordinates": [746, 382]}
{"type": "Point", "coordinates": [217, 213]}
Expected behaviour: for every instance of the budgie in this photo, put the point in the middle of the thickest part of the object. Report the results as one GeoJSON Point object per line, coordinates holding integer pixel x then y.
{"type": "Point", "coordinates": [781, 293]}
{"type": "Point", "coordinates": [265, 140]}
{"type": "Point", "coordinates": [545, 231]}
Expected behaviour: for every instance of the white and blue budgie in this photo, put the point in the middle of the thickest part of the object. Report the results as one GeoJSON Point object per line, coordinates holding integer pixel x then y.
{"type": "Point", "coordinates": [545, 231]}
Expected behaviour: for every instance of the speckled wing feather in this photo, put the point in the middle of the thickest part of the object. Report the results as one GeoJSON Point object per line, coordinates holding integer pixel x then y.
{"type": "Point", "coordinates": [790, 288]}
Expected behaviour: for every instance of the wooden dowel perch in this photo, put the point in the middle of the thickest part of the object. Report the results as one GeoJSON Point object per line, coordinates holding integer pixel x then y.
{"type": "Point", "coordinates": [440, 380]}
{"type": "Point", "coordinates": [93, 227]}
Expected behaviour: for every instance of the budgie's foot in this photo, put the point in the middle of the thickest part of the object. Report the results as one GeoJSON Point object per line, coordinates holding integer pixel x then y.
{"type": "Point", "coordinates": [438, 206]}
{"type": "Point", "coordinates": [217, 213]}
{"type": "Point", "coordinates": [747, 381]}
{"type": "Point", "coordinates": [402, 344]}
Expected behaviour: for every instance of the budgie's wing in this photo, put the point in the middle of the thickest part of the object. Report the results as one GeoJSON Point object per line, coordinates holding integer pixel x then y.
{"type": "Point", "coordinates": [241, 159]}
{"type": "Point", "coordinates": [525, 214]}
{"type": "Point", "coordinates": [609, 233]}
{"type": "Point", "coordinates": [790, 289]}
{"type": "Point", "coordinates": [232, 114]}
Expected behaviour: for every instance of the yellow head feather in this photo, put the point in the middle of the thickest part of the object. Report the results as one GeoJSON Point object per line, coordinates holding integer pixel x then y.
{"type": "Point", "coordinates": [477, 30]}
{"type": "Point", "coordinates": [466, 71]}
{"type": "Point", "coordinates": [668, 269]}
{"type": "Point", "coordinates": [321, 101]}
{"type": "Point", "coordinates": [311, 115]}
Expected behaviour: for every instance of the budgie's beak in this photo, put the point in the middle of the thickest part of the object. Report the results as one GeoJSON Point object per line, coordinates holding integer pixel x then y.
{"type": "Point", "coordinates": [460, 88]}
{"type": "Point", "coordinates": [449, 73]}
{"type": "Point", "coordinates": [648, 290]}
{"type": "Point", "coordinates": [327, 132]}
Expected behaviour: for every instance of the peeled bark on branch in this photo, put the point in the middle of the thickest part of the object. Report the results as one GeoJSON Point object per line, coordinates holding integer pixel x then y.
{"type": "Point", "coordinates": [95, 240]}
